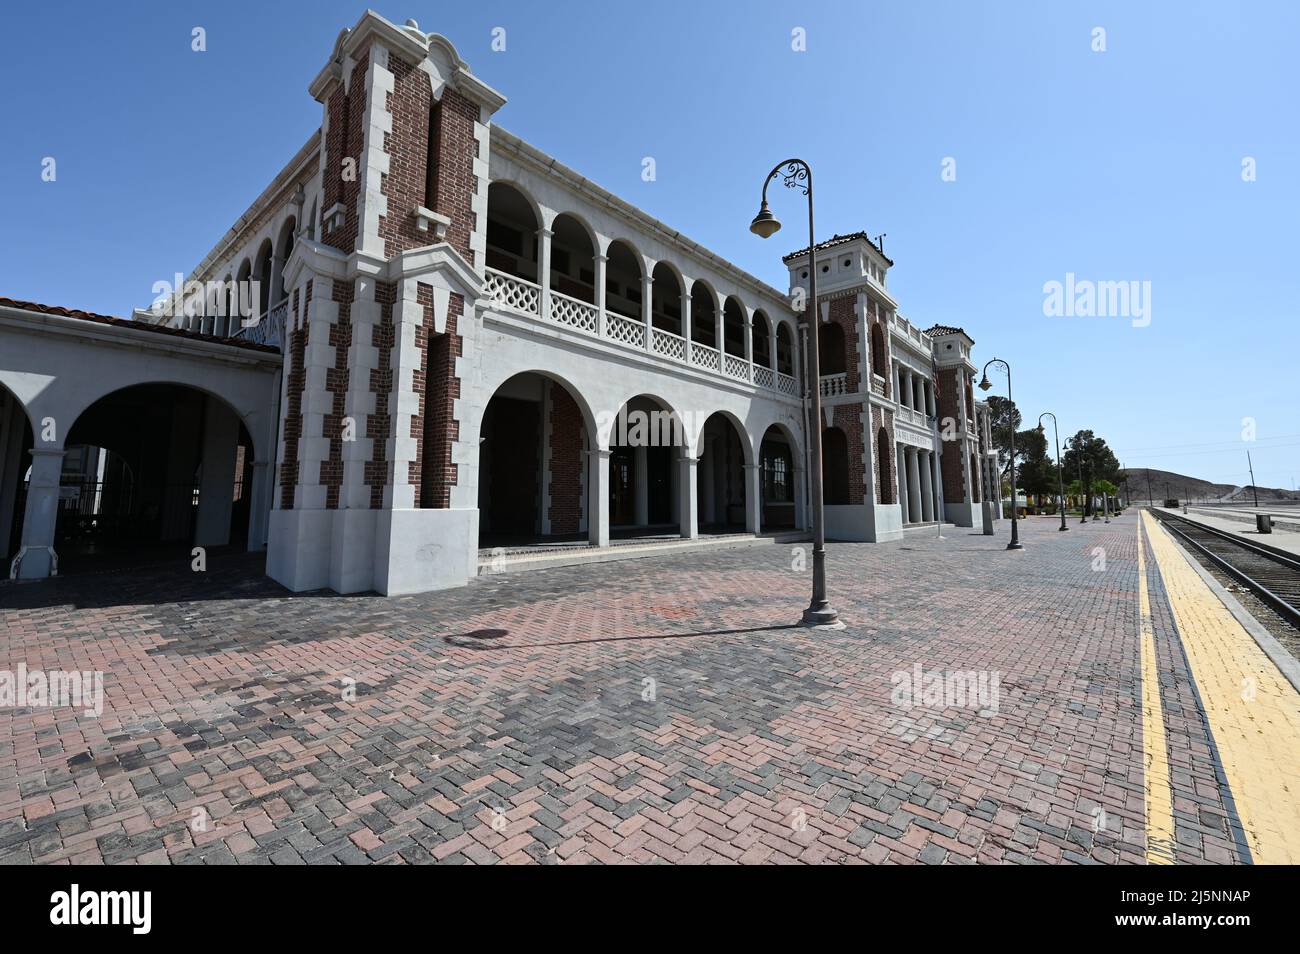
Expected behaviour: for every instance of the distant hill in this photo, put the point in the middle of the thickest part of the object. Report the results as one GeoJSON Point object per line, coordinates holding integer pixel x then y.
{"type": "Point", "coordinates": [1193, 488]}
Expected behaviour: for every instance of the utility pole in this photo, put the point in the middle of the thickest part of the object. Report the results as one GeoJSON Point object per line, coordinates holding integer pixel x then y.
{"type": "Point", "coordinates": [1253, 487]}
{"type": "Point", "coordinates": [1150, 499]}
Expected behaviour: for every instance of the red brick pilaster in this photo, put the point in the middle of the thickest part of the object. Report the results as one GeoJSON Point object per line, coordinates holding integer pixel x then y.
{"type": "Point", "coordinates": [567, 432]}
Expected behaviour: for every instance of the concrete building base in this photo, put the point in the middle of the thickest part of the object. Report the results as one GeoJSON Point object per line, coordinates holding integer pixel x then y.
{"type": "Point", "coordinates": [391, 552]}
{"type": "Point", "coordinates": [863, 523]}
{"type": "Point", "coordinates": [418, 550]}
{"type": "Point", "coordinates": [964, 515]}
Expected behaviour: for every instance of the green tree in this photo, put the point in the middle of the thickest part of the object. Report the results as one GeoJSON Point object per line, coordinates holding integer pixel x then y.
{"type": "Point", "coordinates": [1087, 452]}
{"type": "Point", "coordinates": [1035, 470]}
{"type": "Point", "coordinates": [1004, 419]}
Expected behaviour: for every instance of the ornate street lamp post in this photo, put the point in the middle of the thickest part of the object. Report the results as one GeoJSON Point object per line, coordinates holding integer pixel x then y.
{"type": "Point", "coordinates": [797, 174]}
{"type": "Point", "coordinates": [1060, 481]}
{"type": "Point", "coordinates": [985, 384]}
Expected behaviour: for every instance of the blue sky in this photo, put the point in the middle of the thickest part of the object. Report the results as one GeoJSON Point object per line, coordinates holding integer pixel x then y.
{"type": "Point", "coordinates": [1114, 166]}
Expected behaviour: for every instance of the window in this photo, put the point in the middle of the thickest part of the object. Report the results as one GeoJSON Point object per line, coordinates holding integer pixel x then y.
{"type": "Point", "coordinates": [777, 486]}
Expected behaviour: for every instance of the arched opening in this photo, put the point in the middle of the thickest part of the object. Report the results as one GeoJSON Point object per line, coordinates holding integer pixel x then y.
{"type": "Point", "coordinates": [16, 442]}
{"type": "Point", "coordinates": [784, 349]}
{"type": "Point", "coordinates": [243, 296]}
{"type": "Point", "coordinates": [762, 340]}
{"type": "Point", "coordinates": [777, 460]}
{"type": "Point", "coordinates": [830, 348]}
{"type": "Point", "coordinates": [264, 267]}
{"type": "Point", "coordinates": [704, 316]}
{"type": "Point", "coordinates": [733, 327]}
{"type": "Point", "coordinates": [878, 357]}
{"type": "Point", "coordinates": [644, 448]}
{"type": "Point", "coordinates": [623, 282]}
{"type": "Point", "coordinates": [283, 249]}
{"type": "Point", "coordinates": [720, 476]}
{"type": "Point", "coordinates": [667, 289]}
{"type": "Point", "coordinates": [154, 469]}
{"type": "Point", "coordinates": [573, 259]}
{"type": "Point", "coordinates": [835, 466]}
{"type": "Point", "coordinates": [884, 460]}
{"type": "Point", "coordinates": [511, 232]}
{"type": "Point", "coordinates": [532, 477]}
{"type": "Point", "coordinates": [227, 322]}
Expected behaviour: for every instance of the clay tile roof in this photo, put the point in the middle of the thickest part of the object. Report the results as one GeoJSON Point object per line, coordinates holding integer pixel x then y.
{"type": "Point", "coordinates": [128, 323]}
{"type": "Point", "coordinates": [841, 240]}
{"type": "Point", "coordinates": [944, 330]}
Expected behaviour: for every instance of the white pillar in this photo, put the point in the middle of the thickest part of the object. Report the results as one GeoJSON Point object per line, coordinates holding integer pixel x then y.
{"type": "Point", "coordinates": [217, 477]}
{"type": "Point", "coordinates": [602, 262]}
{"type": "Point", "coordinates": [719, 327]}
{"type": "Point", "coordinates": [900, 477]}
{"type": "Point", "coordinates": [913, 486]}
{"type": "Point", "coordinates": [686, 325]}
{"type": "Point", "coordinates": [259, 504]}
{"type": "Point", "coordinates": [544, 270]}
{"type": "Point", "coordinates": [753, 498]}
{"type": "Point", "coordinates": [37, 559]}
{"type": "Point", "coordinates": [749, 344]}
{"type": "Point", "coordinates": [927, 487]}
{"type": "Point", "coordinates": [641, 475]}
{"type": "Point", "coordinates": [688, 497]}
{"type": "Point", "coordinates": [598, 497]}
{"type": "Point", "coordinates": [648, 302]}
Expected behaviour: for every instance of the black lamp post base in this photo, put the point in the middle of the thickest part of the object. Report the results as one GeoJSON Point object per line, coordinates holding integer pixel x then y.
{"type": "Point", "coordinates": [825, 618]}
{"type": "Point", "coordinates": [1015, 546]}
{"type": "Point", "coordinates": [1062, 527]}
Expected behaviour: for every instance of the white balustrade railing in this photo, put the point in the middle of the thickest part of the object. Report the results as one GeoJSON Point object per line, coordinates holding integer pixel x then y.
{"type": "Point", "coordinates": [513, 292]}
{"type": "Point", "coordinates": [521, 295]}
{"type": "Point", "coordinates": [835, 384]}
{"type": "Point", "coordinates": [667, 343]}
{"type": "Point", "coordinates": [267, 330]}
{"type": "Point", "coordinates": [912, 415]}
{"type": "Point", "coordinates": [705, 357]}
{"type": "Point", "coordinates": [626, 330]}
{"type": "Point", "coordinates": [574, 313]}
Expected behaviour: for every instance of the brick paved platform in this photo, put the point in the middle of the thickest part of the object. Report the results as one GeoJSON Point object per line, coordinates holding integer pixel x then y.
{"type": "Point", "coordinates": [659, 709]}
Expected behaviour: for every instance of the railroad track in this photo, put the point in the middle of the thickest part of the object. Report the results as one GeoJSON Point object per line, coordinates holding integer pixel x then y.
{"type": "Point", "coordinates": [1273, 576]}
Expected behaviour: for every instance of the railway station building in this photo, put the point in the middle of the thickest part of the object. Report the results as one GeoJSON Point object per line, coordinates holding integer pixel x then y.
{"type": "Point", "coordinates": [428, 345]}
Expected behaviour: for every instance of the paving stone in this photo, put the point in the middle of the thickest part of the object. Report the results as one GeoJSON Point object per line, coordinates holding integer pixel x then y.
{"type": "Point", "coordinates": [225, 692]}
